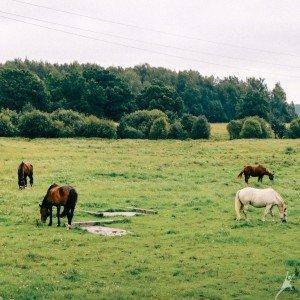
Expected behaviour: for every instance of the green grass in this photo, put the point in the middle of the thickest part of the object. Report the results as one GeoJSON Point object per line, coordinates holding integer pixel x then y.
{"type": "Point", "coordinates": [192, 248]}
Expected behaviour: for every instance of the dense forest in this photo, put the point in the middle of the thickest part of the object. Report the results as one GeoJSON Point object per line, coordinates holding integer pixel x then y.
{"type": "Point", "coordinates": [114, 92]}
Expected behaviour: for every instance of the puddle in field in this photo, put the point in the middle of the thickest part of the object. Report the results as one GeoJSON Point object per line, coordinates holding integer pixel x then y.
{"type": "Point", "coordinates": [106, 231]}
{"type": "Point", "coordinates": [120, 214]}
{"type": "Point", "coordinates": [96, 227]}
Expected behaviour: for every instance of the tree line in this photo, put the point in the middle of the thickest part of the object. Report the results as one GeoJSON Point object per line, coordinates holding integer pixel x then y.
{"type": "Point", "coordinates": [114, 92]}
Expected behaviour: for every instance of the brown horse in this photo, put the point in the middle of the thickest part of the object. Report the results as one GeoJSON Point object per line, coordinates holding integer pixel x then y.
{"type": "Point", "coordinates": [255, 171]}
{"type": "Point", "coordinates": [24, 170]}
{"type": "Point", "coordinates": [59, 196]}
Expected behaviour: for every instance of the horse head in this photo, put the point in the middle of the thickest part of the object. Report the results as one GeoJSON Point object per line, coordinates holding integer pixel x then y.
{"type": "Point", "coordinates": [45, 212]}
{"type": "Point", "coordinates": [283, 213]}
{"type": "Point", "coordinates": [271, 176]}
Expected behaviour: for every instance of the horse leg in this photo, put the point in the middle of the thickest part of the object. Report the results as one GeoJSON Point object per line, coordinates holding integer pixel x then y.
{"type": "Point", "coordinates": [58, 215]}
{"type": "Point", "coordinates": [238, 208]}
{"type": "Point", "coordinates": [25, 179]}
{"type": "Point", "coordinates": [244, 210]}
{"type": "Point", "coordinates": [70, 216]}
{"type": "Point", "coordinates": [271, 213]}
{"type": "Point", "coordinates": [247, 179]}
{"type": "Point", "coordinates": [31, 179]}
{"type": "Point", "coordinates": [50, 223]}
{"type": "Point", "coordinates": [267, 211]}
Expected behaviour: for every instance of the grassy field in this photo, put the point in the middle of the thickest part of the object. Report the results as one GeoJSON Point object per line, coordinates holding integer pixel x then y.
{"type": "Point", "coordinates": [192, 248]}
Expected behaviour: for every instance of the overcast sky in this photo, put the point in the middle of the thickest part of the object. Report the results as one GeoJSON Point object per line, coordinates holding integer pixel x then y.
{"type": "Point", "coordinates": [216, 37]}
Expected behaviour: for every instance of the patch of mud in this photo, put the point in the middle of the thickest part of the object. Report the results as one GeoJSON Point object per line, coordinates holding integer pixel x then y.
{"type": "Point", "coordinates": [106, 231]}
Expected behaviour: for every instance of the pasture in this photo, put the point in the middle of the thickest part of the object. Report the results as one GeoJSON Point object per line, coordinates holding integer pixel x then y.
{"type": "Point", "coordinates": [192, 248]}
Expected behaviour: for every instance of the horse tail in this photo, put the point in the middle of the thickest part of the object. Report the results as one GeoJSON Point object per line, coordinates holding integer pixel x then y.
{"type": "Point", "coordinates": [240, 175]}
{"type": "Point", "coordinates": [237, 204]}
{"type": "Point", "coordinates": [71, 202]}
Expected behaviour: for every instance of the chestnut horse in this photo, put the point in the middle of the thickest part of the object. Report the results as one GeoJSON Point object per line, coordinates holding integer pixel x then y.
{"type": "Point", "coordinates": [255, 171]}
{"type": "Point", "coordinates": [24, 170]}
{"type": "Point", "coordinates": [59, 196]}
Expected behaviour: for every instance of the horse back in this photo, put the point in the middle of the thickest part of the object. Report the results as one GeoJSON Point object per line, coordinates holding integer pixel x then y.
{"type": "Point", "coordinates": [59, 195]}
{"type": "Point", "coordinates": [255, 170]}
{"type": "Point", "coordinates": [25, 167]}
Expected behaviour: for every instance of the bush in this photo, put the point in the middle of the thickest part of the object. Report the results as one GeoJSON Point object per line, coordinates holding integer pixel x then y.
{"type": "Point", "coordinates": [188, 122]}
{"type": "Point", "coordinates": [72, 120]}
{"type": "Point", "coordinates": [37, 124]}
{"type": "Point", "coordinates": [201, 129]}
{"type": "Point", "coordinates": [266, 130]}
{"type": "Point", "coordinates": [159, 129]}
{"type": "Point", "coordinates": [234, 128]}
{"type": "Point", "coordinates": [294, 130]}
{"type": "Point", "coordinates": [140, 120]}
{"type": "Point", "coordinates": [177, 131]}
{"type": "Point", "coordinates": [238, 128]}
{"type": "Point", "coordinates": [94, 127]}
{"type": "Point", "coordinates": [251, 129]}
{"type": "Point", "coordinates": [13, 116]}
{"type": "Point", "coordinates": [6, 126]}
{"type": "Point", "coordinates": [131, 133]}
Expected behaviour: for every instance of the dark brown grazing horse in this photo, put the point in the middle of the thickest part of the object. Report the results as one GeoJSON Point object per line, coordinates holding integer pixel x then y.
{"type": "Point", "coordinates": [255, 171]}
{"type": "Point", "coordinates": [24, 170]}
{"type": "Point", "coordinates": [59, 196]}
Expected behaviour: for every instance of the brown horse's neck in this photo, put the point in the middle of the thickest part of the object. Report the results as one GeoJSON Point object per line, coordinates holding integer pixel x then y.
{"type": "Point", "coordinates": [267, 172]}
{"type": "Point", "coordinates": [46, 202]}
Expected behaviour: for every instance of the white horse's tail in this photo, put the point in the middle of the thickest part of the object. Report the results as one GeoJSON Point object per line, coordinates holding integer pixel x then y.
{"type": "Point", "coordinates": [238, 205]}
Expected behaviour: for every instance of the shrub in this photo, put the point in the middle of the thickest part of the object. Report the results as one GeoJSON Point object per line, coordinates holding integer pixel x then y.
{"type": "Point", "coordinates": [159, 129]}
{"type": "Point", "coordinates": [234, 128]}
{"type": "Point", "coordinates": [266, 130]}
{"type": "Point", "coordinates": [94, 127]}
{"type": "Point", "coordinates": [201, 129]}
{"type": "Point", "coordinates": [140, 120]}
{"type": "Point", "coordinates": [131, 133]}
{"type": "Point", "coordinates": [61, 130]}
{"type": "Point", "coordinates": [177, 131]}
{"type": "Point", "coordinates": [188, 122]}
{"type": "Point", "coordinates": [294, 130]}
{"type": "Point", "coordinates": [13, 116]}
{"type": "Point", "coordinates": [251, 129]}
{"type": "Point", "coordinates": [6, 126]}
{"type": "Point", "coordinates": [255, 127]}
{"type": "Point", "coordinates": [37, 124]}
{"type": "Point", "coordinates": [72, 120]}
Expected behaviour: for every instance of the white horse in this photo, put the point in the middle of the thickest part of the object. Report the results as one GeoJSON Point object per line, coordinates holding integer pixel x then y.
{"type": "Point", "coordinates": [267, 198]}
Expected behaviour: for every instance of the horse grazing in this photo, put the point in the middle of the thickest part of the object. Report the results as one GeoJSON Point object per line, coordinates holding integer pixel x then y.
{"type": "Point", "coordinates": [255, 171]}
{"type": "Point", "coordinates": [59, 196]}
{"type": "Point", "coordinates": [24, 170]}
{"type": "Point", "coordinates": [267, 198]}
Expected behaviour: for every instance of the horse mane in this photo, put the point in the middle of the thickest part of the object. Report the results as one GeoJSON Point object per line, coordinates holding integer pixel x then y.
{"type": "Point", "coordinates": [51, 187]}
{"type": "Point", "coordinates": [45, 200]}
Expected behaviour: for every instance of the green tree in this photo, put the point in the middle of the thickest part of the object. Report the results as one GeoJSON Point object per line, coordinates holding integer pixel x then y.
{"type": "Point", "coordinates": [255, 101]}
{"type": "Point", "coordinates": [279, 108]}
{"type": "Point", "coordinates": [19, 87]}
{"type": "Point", "coordinates": [201, 129]}
{"type": "Point", "coordinates": [162, 97]}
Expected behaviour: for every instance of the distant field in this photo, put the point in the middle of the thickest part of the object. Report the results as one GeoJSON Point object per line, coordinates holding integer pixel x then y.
{"type": "Point", "coordinates": [193, 248]}
{"type": "Point", "coordinates": [219, 131]}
